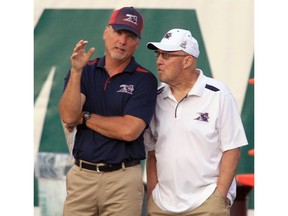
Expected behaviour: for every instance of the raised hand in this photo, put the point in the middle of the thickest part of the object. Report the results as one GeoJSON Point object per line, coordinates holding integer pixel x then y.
{"type": "Point", "coordinates": [79, 57]}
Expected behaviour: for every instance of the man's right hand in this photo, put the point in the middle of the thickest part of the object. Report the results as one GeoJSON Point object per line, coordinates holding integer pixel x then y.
{"type": "Point", "coordinates": [79, 57]}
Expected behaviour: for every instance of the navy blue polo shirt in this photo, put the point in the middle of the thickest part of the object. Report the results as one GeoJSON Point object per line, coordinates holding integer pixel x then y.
{"type": "Point", "coordinates": [132, 92]}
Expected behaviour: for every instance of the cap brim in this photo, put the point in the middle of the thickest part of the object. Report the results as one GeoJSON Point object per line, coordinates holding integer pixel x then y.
{"type": "Point", "coordinates": [119, 27]}
{"type": "Point", "coordinates": [161, 46]}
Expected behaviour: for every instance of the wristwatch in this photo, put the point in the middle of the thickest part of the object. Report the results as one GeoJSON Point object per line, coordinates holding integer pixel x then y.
{"type": "Point", "coordinates": [86, 116]}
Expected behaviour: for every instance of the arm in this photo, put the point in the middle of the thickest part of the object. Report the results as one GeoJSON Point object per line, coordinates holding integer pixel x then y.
{"type": "Point", "coordinates": [71, 102]}
{"type": "Point", "coordinates": [137, 113]}
{"type": "Point", "coordinates": [151, 170]}
{"type": "Point", "coordinates": [125, 127]}
{"type": "Point", "coordinates": [232, 138]}
{"type": "Point", "coordinates": [228, 167]}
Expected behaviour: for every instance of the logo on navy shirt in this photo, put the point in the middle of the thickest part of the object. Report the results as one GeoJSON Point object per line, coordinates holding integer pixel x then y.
{"type": "Point", "coordinates": [126, 89]}
{"type": "Point", "coordinates": [202, 117]}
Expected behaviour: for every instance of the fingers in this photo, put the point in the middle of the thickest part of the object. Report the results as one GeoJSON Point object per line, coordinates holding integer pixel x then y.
{"type": "Point", "coordinates": [79, 46]}
{"type": "Point", "coordinates": [79, 50]}
{"type": "Point", "coordinates": [90, 52]}
{"type": "Point", "coordinates": [74, 54]}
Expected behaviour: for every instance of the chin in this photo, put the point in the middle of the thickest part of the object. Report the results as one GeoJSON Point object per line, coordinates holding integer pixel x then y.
{"type": "Point", "coordinates": [118, 56]}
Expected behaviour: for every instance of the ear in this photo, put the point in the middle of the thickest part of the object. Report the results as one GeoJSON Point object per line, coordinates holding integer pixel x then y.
{"type": "Point", "coordinates": [188, 61]}
{"type": "Point", "coordinates": [105, 32]}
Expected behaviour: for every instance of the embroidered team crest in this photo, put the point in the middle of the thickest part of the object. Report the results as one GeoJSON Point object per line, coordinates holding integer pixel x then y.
{"type": "Point", "coordinates": [126, 89]}
{"type": "Point", "coordinates": [203, 117]}
{"type": "Point", "coordinates": [131, 18]}
{"type": "Point", "coordinates": [168, 35]}
{"type": "Point", "coordinates": [183, 44]}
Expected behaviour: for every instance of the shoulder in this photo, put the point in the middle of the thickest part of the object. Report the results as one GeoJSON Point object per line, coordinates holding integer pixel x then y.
{"type": "Point", "coordinates": [141, 69]}
{"type": "Point", "coordinates": [93, 62]}
{"type": "Point", "coordinates": [216, 86]}
{"type": "Point", "coordinates": [160, 89]}
{"type": "Point", "coordinates": [136, 67]}
{"type": "Point", "coordinates": [144, 73]}
{"type": "Point", "coordinates": [91, 65]}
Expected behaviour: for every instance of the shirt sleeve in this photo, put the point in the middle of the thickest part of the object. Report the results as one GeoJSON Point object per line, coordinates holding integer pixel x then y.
{"type": "Point", "coordinates": [149, 139]}
{"type": "Point", "coordinates": [143, 102]}
{"type": "Point", "coordinates": [232, 132]}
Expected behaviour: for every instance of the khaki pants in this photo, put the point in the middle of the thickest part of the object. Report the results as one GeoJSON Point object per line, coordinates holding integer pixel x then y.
{"type": "Point", "coordinates": [213, 206]}
{"type": "Point", "coordinates": [104, 194]}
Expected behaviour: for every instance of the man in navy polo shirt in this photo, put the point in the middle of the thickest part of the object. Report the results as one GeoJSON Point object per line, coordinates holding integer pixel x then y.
{"type": "Point", "coordinates": [111, 101]}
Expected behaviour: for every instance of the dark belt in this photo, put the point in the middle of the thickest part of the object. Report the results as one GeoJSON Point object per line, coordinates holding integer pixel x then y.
{"type": "Point", "coordinates": [106, 167]}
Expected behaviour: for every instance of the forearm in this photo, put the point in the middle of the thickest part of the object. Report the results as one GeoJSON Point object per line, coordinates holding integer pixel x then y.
{"type": "Point", "coordinates": [72, 100]}
{"type": "Point", "coordinates": [70, 105]}
{"type": "Point", "coordinates": [228, 167]}
{"type": "Point", "coordinates": [126, 127]}
{"type": "Point", "coordinates": [151, 170]}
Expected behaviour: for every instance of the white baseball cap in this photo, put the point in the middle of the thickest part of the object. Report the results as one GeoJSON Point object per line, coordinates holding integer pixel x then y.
{"type": "Point", "coordinates": [175, 40]}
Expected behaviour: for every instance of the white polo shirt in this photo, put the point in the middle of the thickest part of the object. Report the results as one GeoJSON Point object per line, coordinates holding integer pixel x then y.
{"type": "Point", "coordinates": [189, 139]}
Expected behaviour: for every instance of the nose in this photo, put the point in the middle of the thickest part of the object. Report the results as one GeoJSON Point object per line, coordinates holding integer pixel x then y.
{"type": "Point", "coordinates": [123, 38]}
{"type": "Point", "coordinates": [159, 59]}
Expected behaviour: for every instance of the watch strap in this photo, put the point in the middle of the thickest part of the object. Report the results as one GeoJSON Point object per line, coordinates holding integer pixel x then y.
{"type": "Point", "coordinates": [86, 116]}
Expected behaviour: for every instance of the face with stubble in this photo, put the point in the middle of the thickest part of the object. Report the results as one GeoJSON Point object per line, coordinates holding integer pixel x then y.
{"type": "Point", "coordinates": [120, 44]}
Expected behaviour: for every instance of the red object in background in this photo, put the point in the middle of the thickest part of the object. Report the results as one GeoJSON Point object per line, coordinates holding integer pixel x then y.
{"type": "Point", "coordinates": [251, 152]}
{"type": "Point", "coordinates": [251, 81]}
{"type": "Point", "coordinates": [246, 179]}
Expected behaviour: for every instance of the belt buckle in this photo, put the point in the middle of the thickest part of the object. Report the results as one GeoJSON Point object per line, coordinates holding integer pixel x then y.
{"type": "Point", "coordinates": [97, 168]}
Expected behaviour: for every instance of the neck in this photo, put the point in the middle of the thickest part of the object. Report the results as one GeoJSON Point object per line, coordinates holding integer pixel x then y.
{"type": "Point", "coordinates": [182, 88]}
{"type": "Point", "coordinates": [114, 67]}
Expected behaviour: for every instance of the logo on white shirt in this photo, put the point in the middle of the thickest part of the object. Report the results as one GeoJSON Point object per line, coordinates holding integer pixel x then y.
{"type": "Point", "coordinates": [203, 117]}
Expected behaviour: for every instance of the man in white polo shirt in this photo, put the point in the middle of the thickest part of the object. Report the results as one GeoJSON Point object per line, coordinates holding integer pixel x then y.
{"type": "Point", "coordinates": [195, 135]}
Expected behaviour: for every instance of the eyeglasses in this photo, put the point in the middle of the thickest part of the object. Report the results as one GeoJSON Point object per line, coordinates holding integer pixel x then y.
{"type": "Point", "coordinates": [167, 55]}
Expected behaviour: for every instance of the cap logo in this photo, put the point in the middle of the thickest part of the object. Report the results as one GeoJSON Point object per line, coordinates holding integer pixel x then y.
{"type": "Point", "coordinates": [183, 44]}
{"type": "Point", "coordinates": [168, 35]}
{"type": "Point", "coordinates": [131, 18]}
